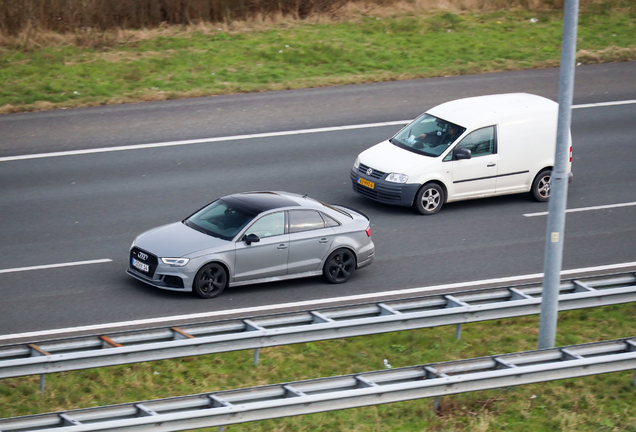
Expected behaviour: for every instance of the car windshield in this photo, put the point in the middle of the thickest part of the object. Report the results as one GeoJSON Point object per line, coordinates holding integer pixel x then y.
{"type": "Point", "coordinates": [428, 135]}
{"type": "Point", "coordinates": [220, 219]}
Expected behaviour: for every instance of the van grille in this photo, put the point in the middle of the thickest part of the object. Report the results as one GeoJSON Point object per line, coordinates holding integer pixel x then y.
{"type": "Point", "coordinates": [376, 174]}
{"type": "Point", "coordinates": [381, 192]}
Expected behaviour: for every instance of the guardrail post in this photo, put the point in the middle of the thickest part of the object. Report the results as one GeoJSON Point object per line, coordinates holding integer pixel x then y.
{"type": "Point", "coordinates": [256, 353]}
{"type": "Point", "coordinates": [458, 331]}
{"type": "Point", "coordinates": [36, 351]}
{"type": "Point", "coordinates": [221, 428]}
{"type": "Point", "coordinates": [436, 404]}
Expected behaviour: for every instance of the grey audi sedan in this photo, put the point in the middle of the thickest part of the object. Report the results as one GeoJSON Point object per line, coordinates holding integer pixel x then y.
{"type": "Point", "coordinates": [253, 237]}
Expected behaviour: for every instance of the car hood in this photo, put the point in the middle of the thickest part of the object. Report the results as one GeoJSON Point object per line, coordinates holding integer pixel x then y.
{"type": "Point", "coordinates": [390, 158]}
{"type": "Point", "coordinates": [177, 240]}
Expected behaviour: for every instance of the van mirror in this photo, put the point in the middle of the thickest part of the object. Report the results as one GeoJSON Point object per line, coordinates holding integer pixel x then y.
{"type": "Point", "coordinates": [462, 153]}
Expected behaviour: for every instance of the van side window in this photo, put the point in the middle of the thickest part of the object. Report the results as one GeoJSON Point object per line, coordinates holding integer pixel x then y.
{"type": "Point", "coordinates": [481, 142]}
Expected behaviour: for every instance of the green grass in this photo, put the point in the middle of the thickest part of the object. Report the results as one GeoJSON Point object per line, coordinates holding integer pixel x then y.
{"type": "Point", "coordinates": [306, 54]}
{"type": "Point", "coordinates": [596, 403]}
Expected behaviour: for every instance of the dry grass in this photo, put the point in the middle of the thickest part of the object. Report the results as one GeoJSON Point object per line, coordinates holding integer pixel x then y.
{"type": "Point", "coordinates": [32, 36]}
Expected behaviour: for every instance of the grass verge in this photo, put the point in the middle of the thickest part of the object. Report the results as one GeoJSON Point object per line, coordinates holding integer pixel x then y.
{"type": "Point", "coordinates": [87, 69]}
{"type": "Point", "coordinates": [596, 403]}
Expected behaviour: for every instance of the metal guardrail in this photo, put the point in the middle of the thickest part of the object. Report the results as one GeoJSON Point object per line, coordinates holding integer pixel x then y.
{"type": "Point", "coordinates": [340, 392]}
{"type": "Point", "coordinates": [298, 327]}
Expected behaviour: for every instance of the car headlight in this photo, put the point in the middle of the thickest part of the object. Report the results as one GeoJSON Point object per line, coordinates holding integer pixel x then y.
{"type": "Point", "coordinates": [397, 178]}
{"type": "Point", "coordinates": [175, 262]}
{"type": "Point", "coordinates": [356, 164]}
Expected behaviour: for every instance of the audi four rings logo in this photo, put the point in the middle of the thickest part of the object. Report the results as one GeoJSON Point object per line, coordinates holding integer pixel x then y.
{"type": "Point", "coordinates": [142, 256]}
{"type": "Point", "coordinates": [369, 171]}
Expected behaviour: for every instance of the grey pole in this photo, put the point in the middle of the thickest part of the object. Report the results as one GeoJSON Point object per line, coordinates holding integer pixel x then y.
{"type": "Point", "coordinates": [559, 182]}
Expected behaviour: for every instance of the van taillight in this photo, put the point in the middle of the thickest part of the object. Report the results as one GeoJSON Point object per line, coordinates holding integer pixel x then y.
{"type": "Point", "coordinates": [570, 153]}
{"type": "Point", "coordinates": [368, 231]}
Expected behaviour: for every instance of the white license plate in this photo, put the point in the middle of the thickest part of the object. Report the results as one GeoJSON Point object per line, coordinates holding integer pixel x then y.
{"type": "Point", "coordinates": [141, 266]}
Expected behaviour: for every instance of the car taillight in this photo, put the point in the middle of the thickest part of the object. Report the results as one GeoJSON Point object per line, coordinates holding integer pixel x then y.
{"type": "Point", "coordinates": [368, 230]}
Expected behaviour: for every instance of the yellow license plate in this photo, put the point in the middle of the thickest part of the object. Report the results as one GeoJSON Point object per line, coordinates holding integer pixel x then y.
{"type": "Point", "coordinates": [366, 183]}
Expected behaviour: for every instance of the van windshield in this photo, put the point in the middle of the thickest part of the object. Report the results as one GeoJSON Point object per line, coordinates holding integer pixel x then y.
{"type": "Point", "coordinates": [427, 135]}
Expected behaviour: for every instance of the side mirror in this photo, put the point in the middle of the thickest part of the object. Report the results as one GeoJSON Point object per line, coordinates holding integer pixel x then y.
{"type": "Point", "coordinates": [251, 238]}
{"type": "Point", "coordinates": [461, 153]}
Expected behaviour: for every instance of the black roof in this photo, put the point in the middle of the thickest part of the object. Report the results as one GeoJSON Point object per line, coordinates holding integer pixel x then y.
{"type": "Point", "coordinates": [258, 202]}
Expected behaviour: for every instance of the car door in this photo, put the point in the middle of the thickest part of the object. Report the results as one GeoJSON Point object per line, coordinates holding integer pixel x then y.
{"type": "Point", "coordinates": [309, 241]}
{"type": "Point", "coordinates": [267, 257]}
{"type": "Point", "coordinates": [476, 176]}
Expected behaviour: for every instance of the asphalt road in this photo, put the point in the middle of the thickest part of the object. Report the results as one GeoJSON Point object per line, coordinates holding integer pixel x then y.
{"type": "Point", "coordinates": [91, 206]}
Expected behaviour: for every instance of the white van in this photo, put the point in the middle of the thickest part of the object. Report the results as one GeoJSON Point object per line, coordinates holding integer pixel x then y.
{"type": "Point", "coordinates": [468, 148]}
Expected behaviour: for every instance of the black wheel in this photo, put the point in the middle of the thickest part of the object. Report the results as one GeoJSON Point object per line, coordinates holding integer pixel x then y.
{"type": "Point", "coordinates": [339, 266]}
{"type": "Point", "coordinates": [541, 186]}
{"type": "Point", "coordinates": [429, 199]}
{"type": "Point", "coordinates": [210, 281]}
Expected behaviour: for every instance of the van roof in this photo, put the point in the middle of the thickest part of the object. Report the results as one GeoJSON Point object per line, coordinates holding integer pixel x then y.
{"type": "Point", "coordinates": [481, 111]}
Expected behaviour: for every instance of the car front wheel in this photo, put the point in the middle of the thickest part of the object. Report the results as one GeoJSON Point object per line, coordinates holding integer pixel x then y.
{"type": "Point", "coordinates": [429, 199]}
{"type": "Point", "coordinates": [541, 186]}
{"type": "Point", "coordinates": [339, 266]}
{"type": "Point", "coordinates": [210, 281]}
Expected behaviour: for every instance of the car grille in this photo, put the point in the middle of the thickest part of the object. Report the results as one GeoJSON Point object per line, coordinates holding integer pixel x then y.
{"type": "Point", "coordinates": [381, 192]}
{"type": "Point", "coordinates": [376, 174]}
{"type": "Point", "coordinates": [145, 258]}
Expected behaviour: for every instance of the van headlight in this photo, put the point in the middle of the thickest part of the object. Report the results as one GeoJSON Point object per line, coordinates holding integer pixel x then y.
{"type": "Point", "coordinates": [175, 262]}
{"type": "Point", "coordinates": [397, 178]}
{"type": "Point", "coordinates": [356, 164]}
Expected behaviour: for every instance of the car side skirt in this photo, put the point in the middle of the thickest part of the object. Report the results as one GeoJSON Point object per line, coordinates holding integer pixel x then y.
{"type": "Point", "coordinates": [277, 278]}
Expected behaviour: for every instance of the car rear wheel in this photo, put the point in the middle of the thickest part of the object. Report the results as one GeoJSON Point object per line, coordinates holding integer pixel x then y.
{"type": "Point", "coordinates": [210, 281]}
{"type": "Point", "coordinates": [339, 266]}
{"type": "Point", "coordinates": [429, 199]}
{"type": "Point", "coordinates": [541, 186]}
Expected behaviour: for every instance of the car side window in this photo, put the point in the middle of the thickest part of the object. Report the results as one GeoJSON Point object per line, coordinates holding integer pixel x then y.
{"type": "Point", "coordinates": [329, 221]}
{"type": "Point", "coordinates": [268, 226]}
{"type": "Point", "coordinates": [480, 142]}
{"type": "Point", "coordinates": [305, 220]}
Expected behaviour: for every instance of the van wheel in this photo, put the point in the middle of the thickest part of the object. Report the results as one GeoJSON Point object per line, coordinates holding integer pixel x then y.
{"type": "Point", "coordinates": [429, 199]}
{"type": "Point", "coordinates": [541, 186]}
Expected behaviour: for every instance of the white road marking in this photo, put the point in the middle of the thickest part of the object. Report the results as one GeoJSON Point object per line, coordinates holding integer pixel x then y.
{"type": "Point", "coordinates": [603, 104]}
{"type": "Point", "coordinates": [49, 266]}
{"type": "Point", "coordinates": [202, 140]}
{"type": "Point", "coordinates": [575, 210]}
{"type": "Point", "coordinates": [251, 136]}
{"type": "Point", "coordinates": [310, 303]}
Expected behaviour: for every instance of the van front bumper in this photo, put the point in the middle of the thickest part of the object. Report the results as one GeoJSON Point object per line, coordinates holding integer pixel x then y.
{"type": "Point", "coordinates": [384, 191]}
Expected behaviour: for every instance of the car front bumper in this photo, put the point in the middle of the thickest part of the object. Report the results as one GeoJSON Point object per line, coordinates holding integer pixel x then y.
{"type": "Point", "coordinates": [158, 274]}
{"type": "Point", "coordinates": [384, 191]}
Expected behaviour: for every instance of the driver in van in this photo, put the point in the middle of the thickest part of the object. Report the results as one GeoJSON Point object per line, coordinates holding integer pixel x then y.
{"type": "Point", "coordinates": [450, 136]}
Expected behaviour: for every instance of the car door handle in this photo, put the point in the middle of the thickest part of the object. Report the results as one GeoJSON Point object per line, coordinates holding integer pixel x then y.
{"type": "Point", "coordinates": [323, 240]}
{"type": "Point", "coordinates": [282, 246]}
{"type": "Point", "coordinates": [491, 165]}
